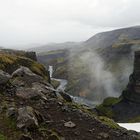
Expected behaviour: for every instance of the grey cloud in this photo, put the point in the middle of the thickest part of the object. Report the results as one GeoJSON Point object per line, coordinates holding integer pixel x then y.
{"type": "Point", "coordinates": [44, 21]}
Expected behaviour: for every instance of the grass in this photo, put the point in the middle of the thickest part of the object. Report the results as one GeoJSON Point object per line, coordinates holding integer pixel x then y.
{"type": "Point", "coordinates": [134, 120]}
{"type": "Point", "coordinates": [2, 137]}
{"type": "Point", "coordinates": [106, 107]}
{"type": "Point", "coordinates": [110, 101]}
{"type": "Point", "coordinates": [8, 128]}
{"type": "Point", "coordinates": [10, 63]}
{"type": "Point", "coordinates": [55, 83]}
{"type": "Point", "coordinates": [109, 122]}
{"type": "Point", "coordinates": [49, 134]}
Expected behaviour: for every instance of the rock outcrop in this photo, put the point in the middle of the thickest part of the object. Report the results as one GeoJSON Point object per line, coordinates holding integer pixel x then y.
{"type": "Point", "coordinates": [4, 77]}
{"type": "Point", "coordinates": [127, 107]}
{"type": "Point", "coordinates": [132, 92]}
{"type": "Point", "coordinates": [28, 118]}
{"type": "Point", "coordinates": [27, 75]}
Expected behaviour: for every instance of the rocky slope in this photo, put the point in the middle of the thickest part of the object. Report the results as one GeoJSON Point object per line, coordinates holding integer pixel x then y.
{"type": "Point", "coordinates": [126, 108]}
{"type": "Point", "coordinates": [30, 109]}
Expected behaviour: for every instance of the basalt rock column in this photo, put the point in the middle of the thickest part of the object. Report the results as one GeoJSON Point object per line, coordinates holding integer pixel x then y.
{"type": "Point", "coordinates": [132, 92]}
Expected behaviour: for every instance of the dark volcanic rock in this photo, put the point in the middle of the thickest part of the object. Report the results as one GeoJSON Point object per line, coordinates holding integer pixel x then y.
{"type": "Point", "coordinates": [27, 75]}
{"type": "Point", "coordinates": [132, 92]}
{"type": "Point", "coordinates": [28, 93]}
{"type": "Point", "coordinates": [4, 77]}
{"type": "Point", "coordinates": [65, 96]}
{"type": "Point", "coordinates": [127, 107]}
{"type": "Point", "coordinates": [28, 118]}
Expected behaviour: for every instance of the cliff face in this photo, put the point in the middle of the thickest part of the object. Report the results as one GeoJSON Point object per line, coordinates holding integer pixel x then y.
{"type": "Point", "coordinates": [132, 92]}
{"type": "Point", "coordinates": [126, 108]}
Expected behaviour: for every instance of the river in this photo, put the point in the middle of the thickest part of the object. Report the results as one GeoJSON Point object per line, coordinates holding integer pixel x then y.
{"type": "Point", "coordinates": [80, 100]}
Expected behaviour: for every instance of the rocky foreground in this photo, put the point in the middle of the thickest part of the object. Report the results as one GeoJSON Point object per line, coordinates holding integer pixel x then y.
{"type": "Point", "coordinates": [30, 109]}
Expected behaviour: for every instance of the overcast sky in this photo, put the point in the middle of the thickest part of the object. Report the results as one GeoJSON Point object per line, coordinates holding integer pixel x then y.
{"type": "Point", "coordinates": [44, 21]}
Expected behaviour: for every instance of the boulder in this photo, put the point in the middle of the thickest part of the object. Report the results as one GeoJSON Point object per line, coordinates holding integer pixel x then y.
{"type": "Point", "coordinates": [70, 124]}
{"type": "Point", "coordinates": [103, 135]}
{"type": "Point", "coordinates": [29, 93]}
{"type": "Point", "coordinates": [65, 96]}
{"type": "Point", "coordinates": [28, 118]}
{"type": "Point", "coordinates": [11, 112]}
{"type": "Point", "coordinates": [4, 77]}
{"type": "Point", "coordinates": [26, 75]}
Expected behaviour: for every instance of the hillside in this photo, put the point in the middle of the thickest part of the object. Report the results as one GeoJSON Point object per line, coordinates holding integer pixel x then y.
{"type": "Point", "coordinates": [106, 39]}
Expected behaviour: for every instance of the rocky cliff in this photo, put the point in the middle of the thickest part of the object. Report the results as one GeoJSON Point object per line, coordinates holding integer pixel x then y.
{"type": "Point", "coordinates": [126, 108]}
{"type": "Point", "coordinates": [132, 92]}
{"type": "Point", "coordinates": [31, 109]}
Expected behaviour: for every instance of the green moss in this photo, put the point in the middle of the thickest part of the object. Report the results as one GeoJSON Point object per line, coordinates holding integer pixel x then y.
{"type": "Point", "coordinates": [106, 111]}
{"type": "Point", "coordinates": [37, 68]}
{"type": "Point", "coordinates": [106, 107]}
{"type": "Point", "coordinates": [60, 60]}
{"type": "Point", "coordinates": [2, 137]}
{"type": "Point", "coordinates": [54, 136]}
{"type": "Point", "coordinates": [49, 133]}
{"type": "Point", "coordinates": [110, 101]}
{"type": "Point", "coordinates": [55, 83]}
{"type": "Point", "coordinates": [134, 120]}
{"type": "Point", "coordinates": [8, 128]}
{"type": "Point", "coordinates": [10, 63]}
{"type": "Point", "coordinates": [81, 107]}
{"type": "Point", "coordinates": [109, 122]}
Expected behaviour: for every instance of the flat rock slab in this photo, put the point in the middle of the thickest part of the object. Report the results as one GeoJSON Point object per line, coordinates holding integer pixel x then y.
{"type": "Point", "coordinates": [70, 124]}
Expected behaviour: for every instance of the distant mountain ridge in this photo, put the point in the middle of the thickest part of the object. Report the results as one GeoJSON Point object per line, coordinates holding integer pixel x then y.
{"type": "Point", "coordinates": [103, 39]}
{"type": "Point", "coordinates": [55, 46]}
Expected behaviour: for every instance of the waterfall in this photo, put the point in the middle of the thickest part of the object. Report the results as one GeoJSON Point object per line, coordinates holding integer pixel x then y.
{"type": "Point", "coordinates": [62, 87]}
{"type": "Point", "coordinates": [50, 71]}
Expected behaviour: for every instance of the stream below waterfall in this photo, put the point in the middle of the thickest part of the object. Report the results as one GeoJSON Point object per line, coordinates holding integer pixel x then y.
{"type": "Point", "coordinates": [80, 100]}
{"type": "Point", "coordinates": [62, 87]}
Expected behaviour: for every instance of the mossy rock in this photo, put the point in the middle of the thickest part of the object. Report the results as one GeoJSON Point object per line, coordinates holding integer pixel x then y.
{"type": "Point", "coordinates": [10, 63]}
{"type": "Point", "coordinates": [2, 137]}
{"type": "Point", "coordinates": [106, 107]}
{"type": "Point", "coordinates": [55, 83]}
{"type": "Point", "coordinates": [110, 101]}
{"type": "Point", "coordinates": [106, 111]}
{"type": "Point", "coordinates": [109, 122]}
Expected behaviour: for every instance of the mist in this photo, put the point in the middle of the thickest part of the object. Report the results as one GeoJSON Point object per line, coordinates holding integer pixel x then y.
{"type": "Point", "coordinates": [102, 81]}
